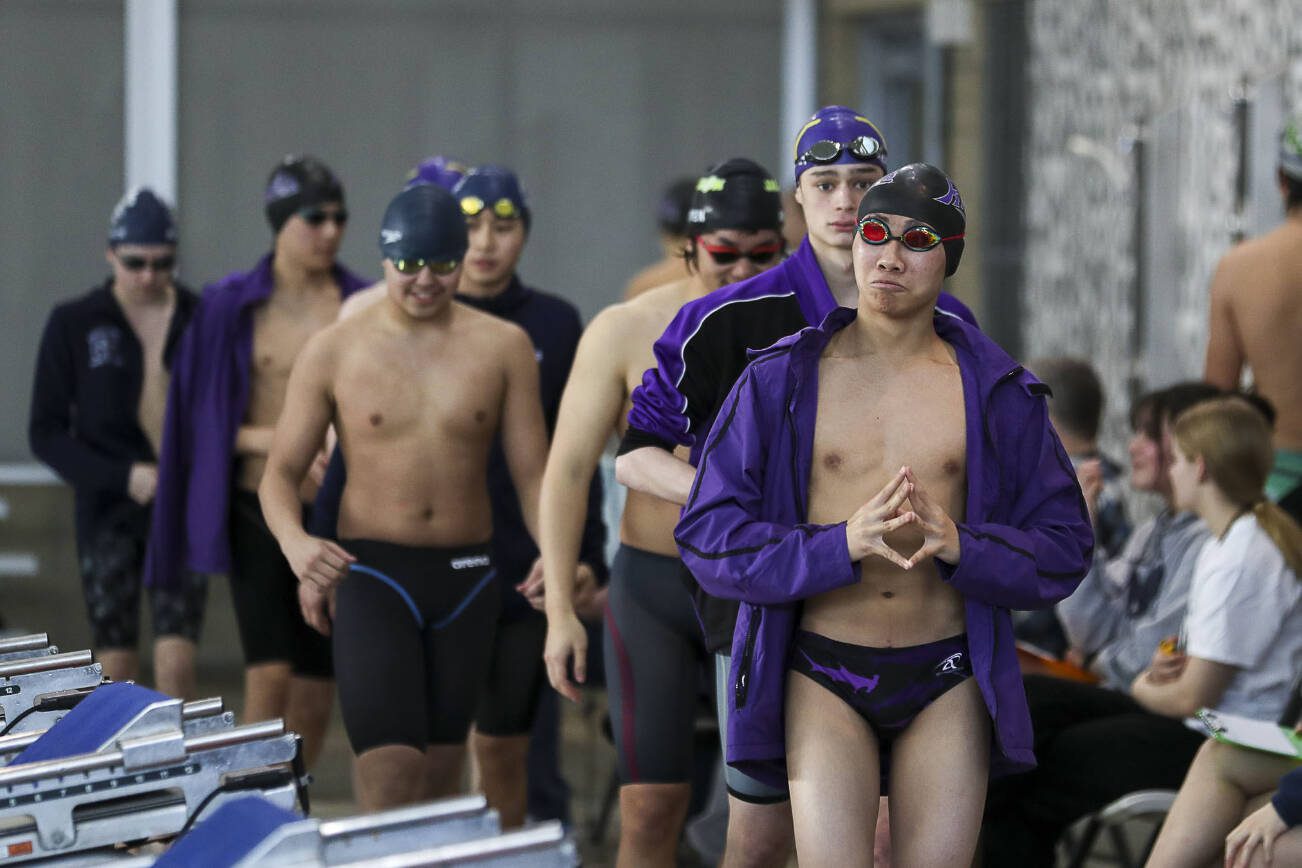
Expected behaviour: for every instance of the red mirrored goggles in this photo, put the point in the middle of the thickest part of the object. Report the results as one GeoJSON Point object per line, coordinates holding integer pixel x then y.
{"type": "Point", "coordinates": [919, 237]}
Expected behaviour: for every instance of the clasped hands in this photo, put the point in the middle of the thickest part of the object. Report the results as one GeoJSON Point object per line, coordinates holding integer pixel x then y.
{"type": "Point", "coordinates": [902, 502]}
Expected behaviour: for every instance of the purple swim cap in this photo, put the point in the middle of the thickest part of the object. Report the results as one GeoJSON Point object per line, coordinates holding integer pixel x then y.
{"type": "Point", "coordinates": [845, 128]}
{"type": "Point", "coordinates": [444, 171]}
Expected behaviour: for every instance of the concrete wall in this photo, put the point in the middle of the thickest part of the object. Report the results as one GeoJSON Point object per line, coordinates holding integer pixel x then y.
{"type": "Point", "coordinates": [1101, 73]}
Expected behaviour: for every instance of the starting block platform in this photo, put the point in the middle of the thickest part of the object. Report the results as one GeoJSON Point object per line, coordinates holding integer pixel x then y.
{"type": "Point", "coordinates": [121, 767]}
{"type": "Point", "coordinates": [22, 647]}
{"type": "Point", "coordinates": [37, 690]}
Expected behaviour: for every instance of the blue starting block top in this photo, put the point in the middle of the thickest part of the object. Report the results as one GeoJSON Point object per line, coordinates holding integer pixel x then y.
{"type": "Point", "coordinates": [86, 727]}
{"type": "Point", "coordinates": [228, 834]}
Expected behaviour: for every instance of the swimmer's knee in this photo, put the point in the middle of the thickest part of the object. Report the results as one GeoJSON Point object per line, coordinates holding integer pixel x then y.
{"type": "Point", "coordinates": [653, 812]}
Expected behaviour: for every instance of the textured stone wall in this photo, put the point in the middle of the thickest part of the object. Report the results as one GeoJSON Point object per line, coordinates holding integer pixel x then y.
{"type": "Point", "coordinates": [1097, 69]}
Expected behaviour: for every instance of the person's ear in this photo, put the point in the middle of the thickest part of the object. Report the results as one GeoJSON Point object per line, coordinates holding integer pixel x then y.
{"type": "Point", "coordinates": [1201, 464]}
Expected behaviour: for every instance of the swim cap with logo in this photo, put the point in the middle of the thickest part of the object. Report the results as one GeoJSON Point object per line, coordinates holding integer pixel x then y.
{"type": "Point", "coordinates": [842, 125]}
{"type": "Point", "coordinates": [495, 189]}
{"type": "Point", "coordinates": [735, 194]}
{"type": "Point", "coordinates": [925, 193]}
{"type": "Point", "coordinates": [444, 171]}
{"type": "Point", "coordinates": [298, 182]}
{"type": "Point", "coordinates": [423, 222]}
{"type": "Point", "coordinates": [140, 217]}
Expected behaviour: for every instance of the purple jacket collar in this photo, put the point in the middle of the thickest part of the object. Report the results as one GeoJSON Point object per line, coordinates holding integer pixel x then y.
{"type": "Point", "coordinates": [206, 402]}
{"type": "Point", "coordinates": [1026, 538]}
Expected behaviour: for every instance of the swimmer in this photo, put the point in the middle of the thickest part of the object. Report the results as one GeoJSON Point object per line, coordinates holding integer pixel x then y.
{"type": "Point", "coordinates": [230, 375]}
{"type": "Point", "coordinates": [417, 386]}
{"type": "Point", "coordinates": [904, 548]}
{"type": "Point", "coordinates": [653, 642]}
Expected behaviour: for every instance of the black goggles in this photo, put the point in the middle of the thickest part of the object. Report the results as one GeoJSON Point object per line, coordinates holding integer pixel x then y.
{"type": "Point", "coordinates": [919, 238]}
{"type": "Point", "coordinates": [316, 216]}
{"type": "Point", "coordinates": [140, 263]}
{"type": "Point", "coordinates": [413, 266]}
{"type": "Point", "coordinates": [825, 151]}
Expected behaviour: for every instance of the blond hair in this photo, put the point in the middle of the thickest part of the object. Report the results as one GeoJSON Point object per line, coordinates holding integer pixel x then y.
{"type": "Point", "coordinates": [1233, 440]}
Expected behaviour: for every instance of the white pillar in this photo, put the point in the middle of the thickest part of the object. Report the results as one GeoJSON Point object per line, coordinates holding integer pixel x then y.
{"type": "Point", "coordinates": [799, 75]}
{"type": "Point", "coordinates": [150, 111]}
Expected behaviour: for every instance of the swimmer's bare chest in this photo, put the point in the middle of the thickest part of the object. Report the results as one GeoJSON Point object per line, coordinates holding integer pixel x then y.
{"type": "Point", "coordinates": [151, 325]}
{"type": "Point", "coordinates": [280, 329]}
{"type": "Point", "coordinates": [871, 421]}
{"type": "Point", "coordinates": [416, 421]}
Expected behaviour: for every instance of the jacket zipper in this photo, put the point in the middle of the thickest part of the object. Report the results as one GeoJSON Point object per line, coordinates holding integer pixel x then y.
{"type": "Point", "coordinates": [742, 687]}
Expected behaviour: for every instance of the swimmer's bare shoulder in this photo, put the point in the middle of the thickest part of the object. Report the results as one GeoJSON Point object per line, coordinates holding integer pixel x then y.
{"type": "Point", "coordinates": [629, 329]}
{"type": "Point", "coordinates": [361, 300]}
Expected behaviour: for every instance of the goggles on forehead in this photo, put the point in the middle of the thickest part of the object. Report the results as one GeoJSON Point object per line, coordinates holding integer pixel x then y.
{"type": "Point", "coordinates": [825, 151]}
{"type": "Point", "coordinates": [504, 207]}
{"type": "Point", "coordinates": [413, 266]}
{"type": "Point", "coordinates": [919, 238]}
{"type": "Point", "coordinates": [726, 254]}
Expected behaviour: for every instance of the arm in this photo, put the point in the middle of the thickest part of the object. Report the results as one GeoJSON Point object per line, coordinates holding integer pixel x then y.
{"type": "Point", "coordinates": [254, 439]}
{"type": "Point", "coordinates": [654, 470]}
{"type": "Point", "coordinates": [524, 434]}
{"type": "Point", "coordinates": [589, 409]}
{"type": "Point", "coordinates": [1042, 551]}
{"type": "Point", "coordinates": [1093, 615]}
{"type": "Point", "coordinates": [308, 410]}
{"type": "Point", "coordinates": [1200, 684]}
{"type": "Point", "coordinates": [1224, 361]}
{"type": "Point", "coordinates": [49, 429]}
{"type": "Point", "coordinates": [725, 541]}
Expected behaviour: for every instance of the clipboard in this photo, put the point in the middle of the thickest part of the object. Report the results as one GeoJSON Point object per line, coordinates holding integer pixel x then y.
{"type": "Point", "coordinates": [1257, 735]}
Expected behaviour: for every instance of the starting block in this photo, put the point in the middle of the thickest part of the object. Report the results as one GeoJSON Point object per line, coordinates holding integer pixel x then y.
{"type": "Point", "coordinates": [251, 832]}
{"type": "Point", "coordinates": [36, 691]}
{"type": "Point", "coordinates": [121, 768]}
{"type": "Point", "coordinates": [22, 647]}
{"type": "Point", "coordinates": [198, 717]}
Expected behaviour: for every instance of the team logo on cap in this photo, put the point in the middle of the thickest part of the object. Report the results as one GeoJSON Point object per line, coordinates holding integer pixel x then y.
{"type": "Point", "coordinates": [951, 198]}
{"type": "Point", "coordinates": [282, 186]}
{"type": "Point", "coordinates": [710, 184]}
{"type": "Point", "coordinates": [390, 236]}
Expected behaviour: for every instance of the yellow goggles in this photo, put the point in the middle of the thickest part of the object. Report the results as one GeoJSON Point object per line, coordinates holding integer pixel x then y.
{"type": "Point", "coordinates": [504, 208]}
{"type": "Point", "coordinates": [413, 266]}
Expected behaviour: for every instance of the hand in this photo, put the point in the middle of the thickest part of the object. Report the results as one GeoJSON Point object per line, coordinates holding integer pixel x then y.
{"type": "Point", "coordinates": [878, 517]}
{"type": "Point", "coordinates": [317, 471]}
{"type": "Point", "coordinates": [1167, 663]}
{"type": "Point", "coordinates": [318, 561]}
{"type": "Point", "coordinates": [594, 609]}
{"type": "Point", "coordinates": [567, 642]}
{"type": "Point", "coordinates": [939, 533]}
{"type": "Point", "coordinates": [142, 482]}
{"type": "Point", "coordinates": [1262, 827]}
{"type": "Point", "coordinates": [1090, 476]}
{"type": "Point", "coordinates": [317, 606]}
{"type": "Point", "coordinates": [532, 588]}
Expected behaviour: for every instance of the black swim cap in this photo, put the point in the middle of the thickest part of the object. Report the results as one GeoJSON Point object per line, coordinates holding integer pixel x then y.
{"type": "Point", "coordinates": [675, 202]}
{"type": "Point", "coordinates": [141, 218]}
{"type": "Point", "coordinates": [923, 192]}
{"type": "Point", "coordinates": [423, 222]}
{"type": "Point", "coordinates": [735, 194]}
{"type": "Point", "coordinates": [297, 182]}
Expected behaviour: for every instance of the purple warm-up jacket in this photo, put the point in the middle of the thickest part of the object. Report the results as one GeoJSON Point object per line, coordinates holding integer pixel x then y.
{"type": "Point", "coordinates": [206, 402]}
{"type": "Point", "coordinates": [1026, 539]}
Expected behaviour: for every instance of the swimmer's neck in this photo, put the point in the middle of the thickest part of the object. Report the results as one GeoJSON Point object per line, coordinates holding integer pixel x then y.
{"type": "Point", "coordinates": [476, 289]}
{"type": "Point", "coordinates": [837, 265]}
{"type": "Point", "coordinates": [128, 300]}
{"type": "Point", "coordinates": [898, 338]}
{"type": "Point", "coordinates": [295, 279]}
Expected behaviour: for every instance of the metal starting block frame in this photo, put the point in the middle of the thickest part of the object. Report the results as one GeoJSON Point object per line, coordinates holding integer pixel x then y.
{"type": "Point", "coordinates": [22, 647]}
{"type": "Point", "coordinates": [149, 786]}
{"type": "Point", "coordinates": [38, 689]}
{"type": "Point", "coordinates": [543, 846]}
{"type": "Point", "coordinates": [196, 718]}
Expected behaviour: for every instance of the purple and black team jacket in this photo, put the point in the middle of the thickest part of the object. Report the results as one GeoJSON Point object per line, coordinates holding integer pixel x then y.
{"type": "Point", "coordinates": [1026, 538]}
{"type": "Point", "coordinates": [703, 352]}
{"type": "Point", "coordinates": [206, 402]}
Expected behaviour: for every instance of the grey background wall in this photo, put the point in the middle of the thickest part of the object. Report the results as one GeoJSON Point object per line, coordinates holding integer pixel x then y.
{"type": "Point", "coordinates": [596, 103]}
{"type": "Point", "coordinates": [1101, 73]}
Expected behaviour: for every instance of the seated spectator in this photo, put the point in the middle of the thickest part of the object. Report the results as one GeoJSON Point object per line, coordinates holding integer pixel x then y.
{"type": "Point", "coordinates": [1095, 743]}
{"type": "Point", "coordinates": [1242, 638]}
{"type": "Point", "coordinates": [1075, 409]}
{"type": "Point", "coordinates": [1216, 813]}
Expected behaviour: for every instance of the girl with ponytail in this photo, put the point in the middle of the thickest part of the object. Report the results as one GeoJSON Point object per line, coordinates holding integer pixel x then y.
{"type": "Point", "coordinates": [1241, 645]}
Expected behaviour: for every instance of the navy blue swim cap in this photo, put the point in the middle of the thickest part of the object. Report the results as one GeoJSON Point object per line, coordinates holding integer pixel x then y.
{"type": "Point", "coordinates": [444, 171]}
{"type": "Point", "coordinates": [495, 188]}
{"type": "Point", "coordinates": [855, 135]}
{"type": "Point", "coordinates": [140, 217]}
{"type": "Point", "coordinates": [923, 192]}
{"type": "Point", "coordinates": [423, 222]}
{"type": "Point", "coordinates": [298, 182]}
{"type": "Point", "coordinates": [735, 194]}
